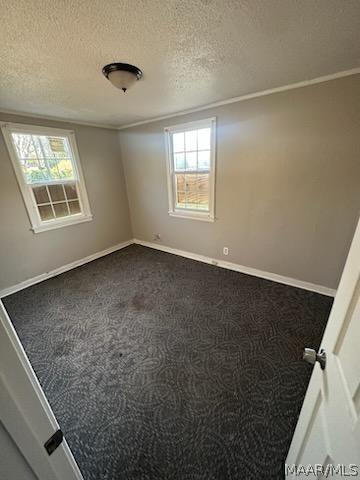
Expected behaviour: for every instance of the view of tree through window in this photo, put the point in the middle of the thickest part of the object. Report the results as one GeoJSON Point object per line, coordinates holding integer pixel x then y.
{"type": "Point", "coordinates": [43, 158]}
{"type": "Point", "coordinates": [47, 165]}
{"type": "Point", "coordinates": [48, 170]}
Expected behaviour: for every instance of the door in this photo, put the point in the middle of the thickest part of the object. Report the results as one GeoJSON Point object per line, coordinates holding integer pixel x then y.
{"type": "Point", "coordinates": [25, 415]}
{"type": "Point", "coordinates": [327, 437]}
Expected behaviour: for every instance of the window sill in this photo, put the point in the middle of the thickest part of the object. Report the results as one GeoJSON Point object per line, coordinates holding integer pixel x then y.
{"type": "Point", "coordinates": [59, 224]}
{"type": "Point", "coordinates": [203, 217]}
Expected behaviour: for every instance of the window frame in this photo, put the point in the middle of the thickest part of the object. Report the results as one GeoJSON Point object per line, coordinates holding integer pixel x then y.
{"type": "Point", "coordinates": [38, 225]}
{"type": "Point", "coordinates": [208, 215]}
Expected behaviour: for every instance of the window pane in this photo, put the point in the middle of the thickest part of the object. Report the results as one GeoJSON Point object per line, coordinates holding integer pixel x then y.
{"type": "Point", "coordinates": [191, 140]}
{"type": "Point", "coordinates": [204, 139]}
{"type": "Point", "coordinates": [56, 193]}
{"type": "Point", "coordinates": [57, 145]}
{"type": "Point", "coordinates": [53, 147]}
{"type": "Point", "coordinates": [191, 198]}
{"type": "Point", "coordinates": [204, 160]}
{"type": "Point", "coordinates": [24, 146]}
{"type": "Point", "coordinates": [191, 161]}
{"type": "Point", "coordinates": [202, 182]}
{"type": "Point", "coordinates": [74, 207]}
{"type": "Point", "coordinates": [203, 198]}
{"type": "Point", "coordinates": [35, 175]}
{"type": "Point", "coordinates": [180, 199]}
{"type": "Point", "coordinates": [197, 192]}
{"type": "Point", "coordinates": [61, 210]}
{"type": "Point", "coordinates": [43, 158]}
{"type": "Point", "coordinates": [180, 181]}
{"type": "Point", "coordinates": [41, 195]}
{"type": "Point", "coordinates": [70, 190]}
{"type": "Point", "coordinates": [179, 161]}
{"type": "Point", "coordinates": [196, 181]}
{"type": "Point", "coordinates": [178, 142]}
{"type": "Point", "coordinates": [60, 169]}
{"type": "Point", "coordinates": [190, 181]}
{"type": "Point", "coordinates": [46, 212]}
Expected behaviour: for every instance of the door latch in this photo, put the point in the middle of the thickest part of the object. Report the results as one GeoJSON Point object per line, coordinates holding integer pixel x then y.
{"type": "Point", "coordinates": [311, 356]}
{"type": "Point", "coordinates": [54, 441]}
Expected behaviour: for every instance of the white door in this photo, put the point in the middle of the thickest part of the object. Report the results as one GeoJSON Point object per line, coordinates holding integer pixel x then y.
{"type": "Point", "coordinates": [25, 414]}
{"type": "Point", "coordinates": [327, 436]}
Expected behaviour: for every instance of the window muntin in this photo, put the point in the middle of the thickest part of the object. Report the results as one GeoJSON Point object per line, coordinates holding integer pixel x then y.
{"type": "Point", "coordinates": [49, 174]}
{"type": "Point", "coordinates": [57, 200]}
{"type": "Point", "coordinates": [191, 163]}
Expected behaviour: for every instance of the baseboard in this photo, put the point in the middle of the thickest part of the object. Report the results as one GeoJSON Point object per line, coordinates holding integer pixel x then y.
{"type": "Point", "coordinates": [242, 269]}
{"type": "Point", "coordinates": [194, 256]}
{"type": "Point", "coordinates": [64, 268]}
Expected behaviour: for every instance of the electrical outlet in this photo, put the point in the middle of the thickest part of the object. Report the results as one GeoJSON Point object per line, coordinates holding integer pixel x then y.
{"type": "Point", "coordinates": [225, 251]}
{"type": "Point", "coordinates": [157, 236]}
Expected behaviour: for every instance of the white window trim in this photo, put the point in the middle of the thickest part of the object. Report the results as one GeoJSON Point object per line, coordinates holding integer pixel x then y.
{"type": "Point", "coordinates": [39, 225]}
{"type": "Point", "coordinates": [208, 216]}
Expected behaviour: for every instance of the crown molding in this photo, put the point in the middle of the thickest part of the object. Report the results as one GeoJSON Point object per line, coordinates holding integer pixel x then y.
{"type": "Point", "coordinates": [241, 98]}
{"type": "Point", "coordinates": [57, 119]}
{"type": "Point", "coordinates": [291, 86]}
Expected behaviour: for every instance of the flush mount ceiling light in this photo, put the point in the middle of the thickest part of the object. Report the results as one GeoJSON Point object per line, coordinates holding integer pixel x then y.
{"type": "Point", "coordinates": [122, 75]}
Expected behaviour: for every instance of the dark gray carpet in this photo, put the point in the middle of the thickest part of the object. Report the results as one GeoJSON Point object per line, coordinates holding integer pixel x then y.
{"type": "Point", "coordinates": [160, 367]}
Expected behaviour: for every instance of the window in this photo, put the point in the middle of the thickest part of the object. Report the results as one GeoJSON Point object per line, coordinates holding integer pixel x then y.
{"type": "Point", "coordinates": [191, 169]}
{"type": "Point", "coordinates": [48, 170]}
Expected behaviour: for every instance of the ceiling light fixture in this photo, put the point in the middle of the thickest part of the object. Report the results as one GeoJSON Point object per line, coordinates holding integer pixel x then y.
{"type": "Point", "coordinates": [122, 75]}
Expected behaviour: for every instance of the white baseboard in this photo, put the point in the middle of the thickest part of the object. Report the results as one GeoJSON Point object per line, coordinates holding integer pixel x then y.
{"type": "Point", "coordinates": [194, 256]}
{"type": "Point", "coordinates": [64, 268]}
{"type": "Point", "coordinates": [242, 269]}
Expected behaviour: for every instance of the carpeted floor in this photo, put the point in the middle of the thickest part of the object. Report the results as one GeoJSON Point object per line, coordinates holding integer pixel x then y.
{"type": "Point", "coordinates": [163, 368]}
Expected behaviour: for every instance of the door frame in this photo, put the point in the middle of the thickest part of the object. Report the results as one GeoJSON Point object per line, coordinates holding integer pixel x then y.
{"type": "Point", "coordinates": [336, 327]}
{"type": "Point", "coordinates": [25, 411]}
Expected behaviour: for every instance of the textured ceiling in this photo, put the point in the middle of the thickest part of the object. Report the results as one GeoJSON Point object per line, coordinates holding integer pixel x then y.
{"type": "Point", "coordinates": [192, 52]}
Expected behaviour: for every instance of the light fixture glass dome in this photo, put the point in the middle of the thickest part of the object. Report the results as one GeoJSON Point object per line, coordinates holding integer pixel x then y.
{"type": "Point", "coordinates": [122, 75]}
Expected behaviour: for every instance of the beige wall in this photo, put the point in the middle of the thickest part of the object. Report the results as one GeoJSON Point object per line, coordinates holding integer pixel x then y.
{"type": "Point", "coordinates": [24, 254]}
{"type": "Point", "coordinates": [287, 189]}
{"type": "Point", "coordinates": [287, 186]}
